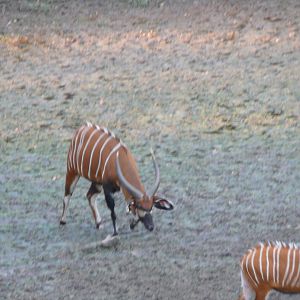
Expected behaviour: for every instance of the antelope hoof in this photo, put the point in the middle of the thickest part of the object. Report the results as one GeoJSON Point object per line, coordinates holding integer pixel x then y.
{"type": "Point", "coordinates": [98, 225]}
{"type": "Point", "coordinates": [133, 223]}
{"type": "Point", "coordinates": [62, 222]}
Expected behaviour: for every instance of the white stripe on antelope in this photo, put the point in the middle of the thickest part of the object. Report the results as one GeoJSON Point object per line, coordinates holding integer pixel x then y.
{"type": "Point", "coordinates": [274, 266]}
{"type": "Point", "coordinates": [99, 156]}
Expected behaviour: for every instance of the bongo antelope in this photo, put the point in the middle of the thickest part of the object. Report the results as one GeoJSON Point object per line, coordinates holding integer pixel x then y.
{"type": "Point", "coordinates": [99, 156]}
{"type": "Point", "coordinates": [270, 266]}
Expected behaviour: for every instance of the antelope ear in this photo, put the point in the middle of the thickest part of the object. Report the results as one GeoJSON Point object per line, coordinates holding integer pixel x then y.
{"type": "Point", "coordinates": [161, 203]}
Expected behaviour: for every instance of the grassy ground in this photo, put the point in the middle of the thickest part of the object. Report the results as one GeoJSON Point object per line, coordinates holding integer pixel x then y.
{"type": "Point", "coordinates": [213, 86]}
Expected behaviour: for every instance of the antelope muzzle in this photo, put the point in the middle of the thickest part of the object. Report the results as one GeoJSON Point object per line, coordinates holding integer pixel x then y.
{"type": "Point", "coordinates": [147, 221]}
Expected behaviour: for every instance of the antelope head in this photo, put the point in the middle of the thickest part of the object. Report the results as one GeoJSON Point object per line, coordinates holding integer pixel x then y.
{"type": "Point", "coordinates": [143, 203]}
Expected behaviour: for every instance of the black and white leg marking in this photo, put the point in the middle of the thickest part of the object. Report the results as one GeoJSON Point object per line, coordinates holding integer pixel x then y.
{"type": "Point", "coordinates": [108, 191]}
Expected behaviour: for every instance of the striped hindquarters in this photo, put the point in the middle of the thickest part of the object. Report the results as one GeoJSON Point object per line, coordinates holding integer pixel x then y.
{"type": "Point", "coordinates": [91, 152]}
{"type": "Point", "coordinates": [275, 264]}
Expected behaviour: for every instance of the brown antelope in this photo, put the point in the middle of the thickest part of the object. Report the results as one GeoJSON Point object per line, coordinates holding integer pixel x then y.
{"type": "Point", "coordinates": [99, 156]}
{"type": "Point", "coordinates": [270, 266]}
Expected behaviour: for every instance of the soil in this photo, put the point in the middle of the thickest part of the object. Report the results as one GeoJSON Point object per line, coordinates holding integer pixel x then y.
{"type": "Point", "coordinates": [212, 86]}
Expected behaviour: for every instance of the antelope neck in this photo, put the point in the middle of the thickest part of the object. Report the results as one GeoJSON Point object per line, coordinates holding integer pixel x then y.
{"type": "Point", "coordinates": [136, 205]}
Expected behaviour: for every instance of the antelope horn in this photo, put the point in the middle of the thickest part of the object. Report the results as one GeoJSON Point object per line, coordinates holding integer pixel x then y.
{"type": "Point", "coordinates": [157, 175]}
{"type": "Point", "coordinates": [137, 194]}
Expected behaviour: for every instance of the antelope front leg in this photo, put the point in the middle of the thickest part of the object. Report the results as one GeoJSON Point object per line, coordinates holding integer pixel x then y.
{"type": "Point", "coordinates": [133, 223]}
{"type": "Point", "coordinates": [92, 195]}
{"type": "Point", "coordinates": [71, 181]}
{"type": "Point", "coordinates": [110, 202]}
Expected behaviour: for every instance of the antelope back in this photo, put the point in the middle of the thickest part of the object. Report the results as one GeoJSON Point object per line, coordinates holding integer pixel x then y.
{"type": "Point", "coordinates": [275, 264]}
{"type": "Point", "coordinates": [92, 153]}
